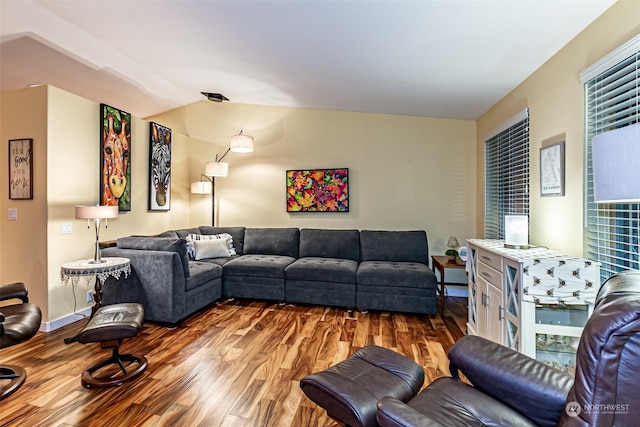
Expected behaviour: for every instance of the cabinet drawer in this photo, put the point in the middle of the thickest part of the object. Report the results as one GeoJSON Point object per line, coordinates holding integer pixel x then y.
{"type": "Point", "coordinates": [489, 258]}
{"type": "Point", "coordinates": [490, 274]}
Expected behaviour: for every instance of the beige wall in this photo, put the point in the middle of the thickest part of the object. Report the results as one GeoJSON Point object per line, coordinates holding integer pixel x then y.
{"type": "Point", "coordinates": [554, 96]}
{"type": "Point", "coordinates": [404, 172]}
{"type": "Point", "coordinates": [23, 243]}
{"type": "Point", "coordinates": [65, 129]}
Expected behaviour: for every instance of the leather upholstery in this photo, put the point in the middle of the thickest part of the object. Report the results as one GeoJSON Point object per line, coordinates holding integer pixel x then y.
{"type": "Point", "coordinates": [511, 389]}
{"type": "Point", "coordinates": [113, 322]}
{"type": "Point", "coordinates": [449, 402]}
{"type": "Point", "coordinates": [350, 390]}
{"type": "Point", "coordinates": [608, 357]}
{"type": "Point", "coordinates": [20, 322]}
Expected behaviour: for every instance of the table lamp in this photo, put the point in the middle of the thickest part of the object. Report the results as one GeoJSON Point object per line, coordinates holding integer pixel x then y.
{"type": "Point", "coordinates": [97, 214]}
{"type": "Point", "coordinates": [516, 232]}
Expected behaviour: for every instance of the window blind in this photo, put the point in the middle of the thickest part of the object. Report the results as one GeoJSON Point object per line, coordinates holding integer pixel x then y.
{"type": "Point", "coordinates": [612, 101]}
{"type": "Point", "coordinates": [506, 190]}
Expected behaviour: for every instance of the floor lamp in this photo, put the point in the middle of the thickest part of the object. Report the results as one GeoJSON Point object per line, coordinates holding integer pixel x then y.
{"type": "Point", "coordinates": [239, 144]}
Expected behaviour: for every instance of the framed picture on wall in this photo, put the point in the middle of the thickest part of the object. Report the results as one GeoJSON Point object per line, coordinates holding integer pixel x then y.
{"type": "Point", "coordinates": [115, 157]}
{"type": "Point", "coordinates": [159, 168]}
{"type": "Point", "coordinates": [318, 190]}
{"type": "Point", "coordinates": [552, 170]}
{"type": "Point", "coordinates": [20, 169]}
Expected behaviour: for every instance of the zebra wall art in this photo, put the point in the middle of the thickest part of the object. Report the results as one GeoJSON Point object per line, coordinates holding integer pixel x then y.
{"type": "Point", "coordinates": [160, 168]}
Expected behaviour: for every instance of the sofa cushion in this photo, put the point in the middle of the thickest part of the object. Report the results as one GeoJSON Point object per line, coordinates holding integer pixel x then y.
{"type": "Point", "coordinates": [272, 241]}
{"type": "Point", "coordinates": [168, 233]}
{"type": "Point", "coordinates": [405, 246]}
{"type": "Point", "coordinates": [330, 243]}
{"type": "Point", "coordinates": [201, 273]}
{"type": "Point", "coordinates": [322, 270]}
{"type": "Point", "coordinates": [165, 244]}
{"type": "Point", "coordinates": [184, 232]}
{"type": "Point", "coordinates": [236, 232]}
{"type": "Point", "coordinates": [395, 274]}
{"type": "Point", "coordinates": [258, 266]}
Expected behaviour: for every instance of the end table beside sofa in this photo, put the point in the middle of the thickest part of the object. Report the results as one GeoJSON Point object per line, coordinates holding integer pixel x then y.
{"type": "Point", "coordinates": [379, 270]}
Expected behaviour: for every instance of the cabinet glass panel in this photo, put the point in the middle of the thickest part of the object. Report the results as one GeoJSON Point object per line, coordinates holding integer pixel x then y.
{"type": "Point", "coordinates": [558, 351]}
{"type": "Point", "coordinates": [564, 315]}
{"type": "Point", "coordinates": [512, 290]}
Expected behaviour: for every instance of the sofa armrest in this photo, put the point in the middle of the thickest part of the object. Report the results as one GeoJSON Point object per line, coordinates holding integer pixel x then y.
{"type": "Point", "coordinates": [157, 281]}
{"type": "Point", "coordinates": [516, 380]}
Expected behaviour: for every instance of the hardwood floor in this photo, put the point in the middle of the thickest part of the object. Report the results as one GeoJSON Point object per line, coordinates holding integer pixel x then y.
{"type": "Point", "coordinates": [237, 363]}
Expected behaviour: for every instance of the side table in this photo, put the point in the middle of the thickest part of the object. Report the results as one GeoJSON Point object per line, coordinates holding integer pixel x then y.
{"type": "Point", "coordinates": [440, 263]}
{"type": "Point", "coordinates": [109, 267]}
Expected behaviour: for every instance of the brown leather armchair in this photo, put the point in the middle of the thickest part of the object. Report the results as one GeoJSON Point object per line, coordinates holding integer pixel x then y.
{"type": "Point", "coordinates": [18, 323]}
{"type": "Point", "coordinates": [511, 389]}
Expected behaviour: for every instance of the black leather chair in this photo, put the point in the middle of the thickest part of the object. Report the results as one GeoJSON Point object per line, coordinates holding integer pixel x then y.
{"type": "Point", "coordinates": [508, 388]}
{"type": "Point", "coordinates": [511, 389]}
{"type": "Point", "coordinates": [18, 323]}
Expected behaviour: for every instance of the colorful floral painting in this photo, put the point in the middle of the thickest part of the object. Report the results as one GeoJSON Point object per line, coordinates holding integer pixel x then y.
{"type": "Point", "coordinates": [318, 190]}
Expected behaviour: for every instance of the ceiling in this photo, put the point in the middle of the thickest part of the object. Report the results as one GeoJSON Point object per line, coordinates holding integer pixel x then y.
{"type": "Point", "coordinates": [433, 58]}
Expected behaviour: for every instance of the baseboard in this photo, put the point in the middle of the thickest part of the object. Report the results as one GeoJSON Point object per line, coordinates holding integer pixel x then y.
{"type": "Point", "coordinates": [64, 321]}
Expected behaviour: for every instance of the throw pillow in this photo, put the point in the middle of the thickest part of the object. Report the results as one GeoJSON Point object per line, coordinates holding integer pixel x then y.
{"type": "Point", "coordinates": [212, 248]}
{"type": "Point", "coordinates": [223, 236]}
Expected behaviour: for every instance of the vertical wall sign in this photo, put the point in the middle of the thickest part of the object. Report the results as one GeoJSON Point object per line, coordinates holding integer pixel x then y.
{"type": "Point", "coordinates": [159, 168]}
{"type": "Point", "coordinates": [552, 170]}
{"type": "Point", "coordinates": [21, 169]}
{"type": "Point", "coordinates": [115, 158]}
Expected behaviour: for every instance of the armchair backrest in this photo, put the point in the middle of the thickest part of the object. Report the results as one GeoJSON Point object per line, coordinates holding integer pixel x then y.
{"type": "Point", "coordinates": [606, 390]}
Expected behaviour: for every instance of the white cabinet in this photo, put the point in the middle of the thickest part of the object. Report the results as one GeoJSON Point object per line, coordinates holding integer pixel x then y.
{"type": "Point", "coordinates": [535, 301]}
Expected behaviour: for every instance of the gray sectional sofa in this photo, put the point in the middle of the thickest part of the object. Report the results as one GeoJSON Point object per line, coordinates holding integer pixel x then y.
{"type": "Point", "coordinates": [173, 275]}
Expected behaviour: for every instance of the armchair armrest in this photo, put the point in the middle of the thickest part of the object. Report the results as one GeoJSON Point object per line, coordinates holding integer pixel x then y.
{"type": "Point", "coordinates": [516, 380]}
{"type": "Point", "coordinates": [15, 290]}
{"type": "Point", "coordinates": [395, 413]}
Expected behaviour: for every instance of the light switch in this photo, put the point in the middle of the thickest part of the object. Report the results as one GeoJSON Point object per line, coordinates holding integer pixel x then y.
{"type": "Point", "coordinates": [13, 214]}
{"type": "Point", "coordinates": [66, 228]}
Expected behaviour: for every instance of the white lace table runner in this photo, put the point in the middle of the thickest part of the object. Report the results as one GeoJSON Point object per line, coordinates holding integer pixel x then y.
{"type": "Point", "coordinates": [111, 267]}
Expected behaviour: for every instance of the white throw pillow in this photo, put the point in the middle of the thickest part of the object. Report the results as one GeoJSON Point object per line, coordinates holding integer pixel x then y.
{"type": "Point", "coordinates": [193, 237]}
{"type": "Point", "coordinates": [214, 248]}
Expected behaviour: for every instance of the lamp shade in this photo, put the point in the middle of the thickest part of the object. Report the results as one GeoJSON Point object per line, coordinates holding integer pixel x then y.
{"type": "Point", "coordinates": [516, 231]}
{"type": "Point", "coordinates": [201, 187]}
{"type": "Point", "coordinates": [615, 160]}
{"type": "Point", "coordinates": [241, 143]}
{"type": "Point", "coordinates": [96, 212]}
{"type": "Point", "coordinates": [453, 242]}
{"type": "Point", "coordinates": [216, 169]}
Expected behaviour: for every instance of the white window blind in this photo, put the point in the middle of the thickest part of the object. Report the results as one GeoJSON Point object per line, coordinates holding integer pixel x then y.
{"type": "Point", "coordinates": [506, 182]}
{"type": "Point", "coordinates": [612, 101]}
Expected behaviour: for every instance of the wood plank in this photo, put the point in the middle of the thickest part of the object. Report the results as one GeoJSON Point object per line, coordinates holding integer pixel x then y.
{"type": "Point", "coordinates": [236, 363]}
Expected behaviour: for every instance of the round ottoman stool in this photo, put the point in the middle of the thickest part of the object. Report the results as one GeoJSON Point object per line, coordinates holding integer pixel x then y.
{"type": "Point", "coordinates": [350, 390]}
{"type": "Point", "coordinates": [109, 326]}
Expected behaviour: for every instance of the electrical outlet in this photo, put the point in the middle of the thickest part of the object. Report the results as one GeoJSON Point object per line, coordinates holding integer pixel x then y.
{"type": "Point", "coordinates": [90, 296]}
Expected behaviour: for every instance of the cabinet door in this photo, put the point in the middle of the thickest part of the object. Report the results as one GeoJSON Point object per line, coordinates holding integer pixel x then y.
{"type": "Point", "coordinates": [482, 315]}
{"type": "Point", "coordinates": [495, 321]}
